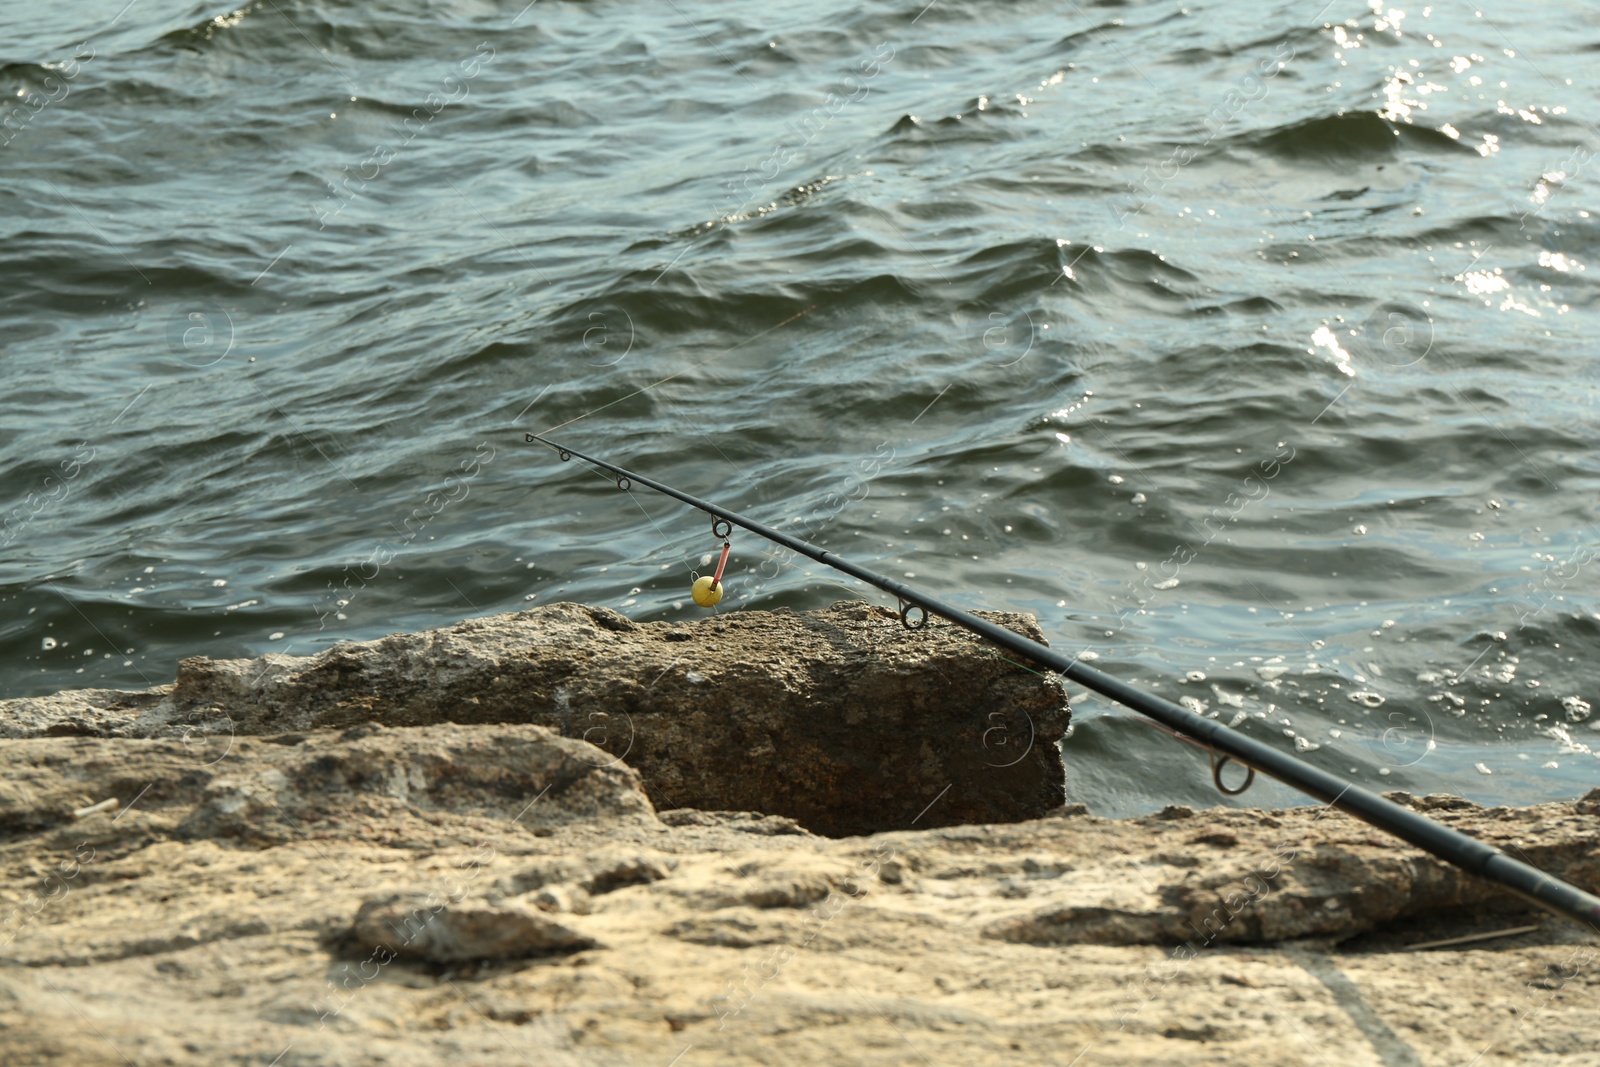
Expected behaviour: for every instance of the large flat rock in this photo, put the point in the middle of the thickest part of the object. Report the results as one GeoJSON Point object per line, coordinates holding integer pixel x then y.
{"type": "Point", "coordinates": [499, 895]}
{"type": "Point", "coordinates": [841, 719]}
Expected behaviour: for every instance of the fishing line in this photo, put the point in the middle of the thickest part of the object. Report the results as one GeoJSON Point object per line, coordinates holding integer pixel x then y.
{"type": "Point", "coordinates": [686, 370]}
{"type": "Point", "coordinates": [665, 540]}
{"type": "Point", "coordinates": [1121, 712]}
{"type": "Point", "coordinates": [1226, 744]}
{"type": "Point", "coordinates": [688, 565]}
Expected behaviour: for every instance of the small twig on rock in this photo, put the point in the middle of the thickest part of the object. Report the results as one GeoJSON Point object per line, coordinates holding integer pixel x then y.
{"type": "Point", "coordinates": [104, 805]}
{"type": "Point", "coordinates": [1469, 938]}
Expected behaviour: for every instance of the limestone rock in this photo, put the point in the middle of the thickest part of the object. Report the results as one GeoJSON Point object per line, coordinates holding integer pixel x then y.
{"type": "Point", "coordinates": [840, 719]}
{"type": "Point", "coordinates": [267, 791]}
{"type": "Point", "coordinates": [387, 896]}
{"type": "Point", "coordinates": [439, 931]}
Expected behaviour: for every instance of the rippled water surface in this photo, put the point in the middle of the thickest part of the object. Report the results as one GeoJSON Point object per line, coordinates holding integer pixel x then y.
{"type": "Point", "coordinates": [1250, 347]}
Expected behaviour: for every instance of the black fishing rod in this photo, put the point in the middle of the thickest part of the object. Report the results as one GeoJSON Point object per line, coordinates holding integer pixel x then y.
{"type": "Point", "coordinates": [1227, 745]}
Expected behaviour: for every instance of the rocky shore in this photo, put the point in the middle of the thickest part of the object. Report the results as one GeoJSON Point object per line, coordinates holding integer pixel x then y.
{"type": "Point", "coordinates": [564, 837]}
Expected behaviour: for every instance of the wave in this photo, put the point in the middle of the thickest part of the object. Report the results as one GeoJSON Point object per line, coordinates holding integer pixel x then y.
{"type": "Point", "coordinates": [1352, 137]}
{"type": "Point", "coordinates": [195, 38]}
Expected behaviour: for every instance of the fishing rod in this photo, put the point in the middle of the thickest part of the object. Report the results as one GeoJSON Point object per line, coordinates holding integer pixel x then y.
{"type": "Point", "coordinates": [1226, 744]}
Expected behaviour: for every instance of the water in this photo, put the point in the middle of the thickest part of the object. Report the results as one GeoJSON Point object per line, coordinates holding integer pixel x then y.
{"type": "Point", "coordinates": [1249, 347]}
